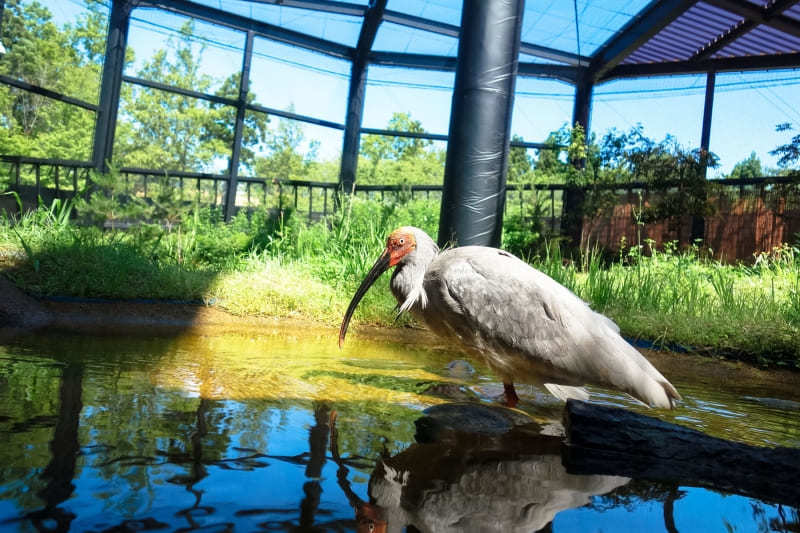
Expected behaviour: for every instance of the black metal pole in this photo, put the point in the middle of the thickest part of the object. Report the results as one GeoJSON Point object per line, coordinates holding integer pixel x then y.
{"type": "Point", "coordinates": [241, 108]}
{"type": "Point", "coordinates": [698, 220]}
{"type": "Point", "coordinates": [355, 111]}
{"type": "Point", "coordinates": [2, 9]}
{"type": "Point", "coordinates": [473, 196]}
{"type": "Point", "coordinates": [575, 196]}
{"type": "Point", "coordinates": [111, 84]}
{"type": "Point", "coordinates": [356, 94]}
{"type": "Point", "coordinates": [705, 137]}
{"type": "Point", "coordinates": [582, 106]}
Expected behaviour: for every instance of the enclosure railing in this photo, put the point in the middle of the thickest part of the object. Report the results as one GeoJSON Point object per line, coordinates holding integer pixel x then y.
{"type": "Point", "coordinates": [45, 179]}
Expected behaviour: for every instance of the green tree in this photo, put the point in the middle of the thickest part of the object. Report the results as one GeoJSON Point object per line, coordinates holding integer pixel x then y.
{"type": "Point", "coordinates": [549, 168]}
{"type": "Point", "coordinates": [379, 148]}
{"type": "Point", "coordinates": [219, 131]}
{"type": "Point", "coordinates": [40, 53]}
{"type": "Point", "coordinates": [747, 168]}
{"type": "Point", "coordinates": [789, 153]}
{"type": "Point", "coordinates": [285, 159]}
{"type": "Point", "coordinates": [520, 164]}
{"type": "Point", "coordinates": [166, 130]}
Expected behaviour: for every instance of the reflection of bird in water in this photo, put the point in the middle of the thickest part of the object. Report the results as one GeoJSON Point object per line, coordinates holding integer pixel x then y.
{"type": "Point", "coordinates": [510, 482]}
{"type": "Point", "coordinates": [525, 325]}
{"type": "Point", "coordinates": [369, 517]}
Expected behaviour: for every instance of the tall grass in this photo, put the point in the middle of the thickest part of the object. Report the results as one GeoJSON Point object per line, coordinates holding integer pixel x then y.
{"type": "Point", "coordinates": [259, 264]}
{"type": "Point", "coordinates": [683, 297]}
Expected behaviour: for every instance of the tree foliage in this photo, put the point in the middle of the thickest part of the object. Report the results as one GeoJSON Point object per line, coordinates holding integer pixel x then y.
{"type": "Point", "coordinates": [285, 158]}
{"type": "Point", "coordinates": [789, 153]}
{"type": "Point", "coordinates": [400, 160]}
{"type": "Point", "coordinates": [40, 53]}
{"type": "Point", "coordinates": [747, 168]}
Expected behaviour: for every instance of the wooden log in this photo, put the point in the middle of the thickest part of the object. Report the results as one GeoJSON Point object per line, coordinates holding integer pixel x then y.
{"type": "Point", "coordinates": [609, 440]}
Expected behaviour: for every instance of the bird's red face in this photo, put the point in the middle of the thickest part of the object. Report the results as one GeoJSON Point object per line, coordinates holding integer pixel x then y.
{"type": "Point", "coordinates": [400, 243]}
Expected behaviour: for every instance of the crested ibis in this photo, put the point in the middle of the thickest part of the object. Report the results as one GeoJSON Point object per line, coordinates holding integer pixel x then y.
{"type": "Point", "coordinates": [526, 326]}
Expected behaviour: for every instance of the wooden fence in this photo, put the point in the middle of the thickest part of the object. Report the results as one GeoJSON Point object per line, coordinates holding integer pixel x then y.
{"type": "Point", "coordinates": [745, 216]}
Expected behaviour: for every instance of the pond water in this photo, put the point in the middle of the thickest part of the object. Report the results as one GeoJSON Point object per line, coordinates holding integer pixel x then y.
{"type": "Point", "coordinates": [234, 432]}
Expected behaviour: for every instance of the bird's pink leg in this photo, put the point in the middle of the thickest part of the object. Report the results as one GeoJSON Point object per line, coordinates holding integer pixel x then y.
{"type": "Point", "coordinates": [511, 398]}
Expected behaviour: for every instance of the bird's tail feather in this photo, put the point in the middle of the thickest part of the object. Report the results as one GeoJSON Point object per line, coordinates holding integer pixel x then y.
{"type": "Point", "coordinates": [565, 392]}
{"type": "Point", "coordinates": [655, 392]}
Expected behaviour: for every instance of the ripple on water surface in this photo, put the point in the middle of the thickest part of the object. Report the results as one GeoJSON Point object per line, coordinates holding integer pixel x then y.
{"type": "Point", "coordinates": [233, 432]}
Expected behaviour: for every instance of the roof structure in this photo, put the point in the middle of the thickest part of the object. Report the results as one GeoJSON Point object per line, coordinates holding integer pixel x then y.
{"type": "Point", "coordinates": [584, 43]}
{"type": "Point", "coordinates": [564, 40]}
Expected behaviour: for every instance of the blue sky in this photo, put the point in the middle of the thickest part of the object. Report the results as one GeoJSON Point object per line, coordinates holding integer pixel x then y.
{"type": "Point", "coordinates": [747, 106]}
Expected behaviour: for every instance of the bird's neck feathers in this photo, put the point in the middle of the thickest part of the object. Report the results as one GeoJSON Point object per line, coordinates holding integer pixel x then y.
{"type": "Point", "coordinates": [408, 277]}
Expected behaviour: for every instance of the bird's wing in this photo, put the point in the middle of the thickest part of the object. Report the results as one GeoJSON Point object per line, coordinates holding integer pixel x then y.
{"type": "Point", "coordinates": [505, 304]}
{"type": "Point", "coordinates": [527, 322]}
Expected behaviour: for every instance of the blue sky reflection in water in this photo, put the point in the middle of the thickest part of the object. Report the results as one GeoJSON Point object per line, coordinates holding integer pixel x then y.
{"type": "Point", "coordinates": [233, 431]}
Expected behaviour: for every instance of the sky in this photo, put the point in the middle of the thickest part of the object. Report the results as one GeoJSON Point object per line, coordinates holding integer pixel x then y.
{"type": "Point", "coordinates": [747, 105]}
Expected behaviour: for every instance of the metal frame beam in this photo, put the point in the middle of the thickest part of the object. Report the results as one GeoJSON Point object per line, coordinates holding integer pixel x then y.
{"type": "Point", "coordinates": [179, 90]}
{"type": "Point", "coordinates": [567, 73]}
{"type": "Point", "coordinates": [326, 6]}
{"type": "Point", "coordinates": [263, 29]}
{"type": "Point", "coordinates": [357, 93]}
{"type": "Point", "coordinates": [722, 64]}
{"type": "Point", "coordinates": [25, 86]}
{"type": "Point", "coordinates": [723, 40]}
{"type": "Point", "coordinates": [238, 129]}
{"type": "Point", "coordinates": [652, 19]}
{"type": "Point", "coordinates": [406, 134]}
{"type": "Point", "coordinates": [771, 16]}
{"type": "Point", "coordinates": [227, 101]}
{"type": "Point", "coordinates": [111, 83]}
{"type": "Point", "coordinates": [753, 18]}
{"type": "Point", "coordinates": [418, 61]}
{"type": "Point", "coordinates": [2, 8]}
{"type": "Point", "coordinates": [450, 30]}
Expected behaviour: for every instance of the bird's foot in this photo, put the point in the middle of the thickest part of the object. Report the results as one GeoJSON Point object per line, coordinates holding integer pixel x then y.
{"type": "Point", "coordinates": [510, 398]}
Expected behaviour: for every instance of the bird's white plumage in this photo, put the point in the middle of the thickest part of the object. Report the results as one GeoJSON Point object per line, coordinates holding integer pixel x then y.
{"type": "Point", "coordinates": [527, 327]}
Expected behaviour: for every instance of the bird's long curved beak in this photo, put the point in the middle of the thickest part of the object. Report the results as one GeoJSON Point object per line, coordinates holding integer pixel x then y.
{"type": "Point", "coordinates": [380, 266]}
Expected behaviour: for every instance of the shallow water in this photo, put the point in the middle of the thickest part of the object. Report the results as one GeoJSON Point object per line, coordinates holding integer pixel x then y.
{"type": "Point", "coordinates": [233, 432]}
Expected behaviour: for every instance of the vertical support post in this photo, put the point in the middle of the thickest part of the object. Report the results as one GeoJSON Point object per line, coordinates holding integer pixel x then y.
{"type": "Point", "coordinates": [582, 105]}
{"type": "Point", "coordinates": [2, 8]}
{"type": "Point", "coordinates": [111, 84]}
{"type": "Point", "coordinates": [698, 220]}
{"type": "Point", "coordinates": [241, 108]}
{"type": "Point", "coordinates": [474, 190]}
{"type": "Point", "coordinates": [352, 126]}
{"type": "Point", "coordinates": [575, 196]}
{"type": "Point", "coordinates": [356, 94]}
{"type": "Point", "coordinates": [708, 107]}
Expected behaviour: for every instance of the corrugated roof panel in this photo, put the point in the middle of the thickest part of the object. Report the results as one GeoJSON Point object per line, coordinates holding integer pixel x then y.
{"type": "Point", "coordinates": [793, 12]}
{"type": "Point", "coordinates": [695, 28]}
{"type": "Point", "coordinates": [760, 41]}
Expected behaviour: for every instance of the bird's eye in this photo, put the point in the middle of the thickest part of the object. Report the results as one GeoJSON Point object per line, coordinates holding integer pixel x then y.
{"type": "Point", "coordinates": [402, 241]}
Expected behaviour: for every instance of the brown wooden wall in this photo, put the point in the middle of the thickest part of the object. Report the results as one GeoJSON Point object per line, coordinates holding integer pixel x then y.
{"type": "Point", "coordinates": [738, 228]}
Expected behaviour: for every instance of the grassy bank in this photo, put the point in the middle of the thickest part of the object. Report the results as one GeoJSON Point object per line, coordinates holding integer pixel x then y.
{"type": "Point", "coordinates": [259, 266]}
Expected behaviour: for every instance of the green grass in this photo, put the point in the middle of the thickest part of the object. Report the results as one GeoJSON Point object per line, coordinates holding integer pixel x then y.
{"type": "Point", "coordinates": [288, 267]}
